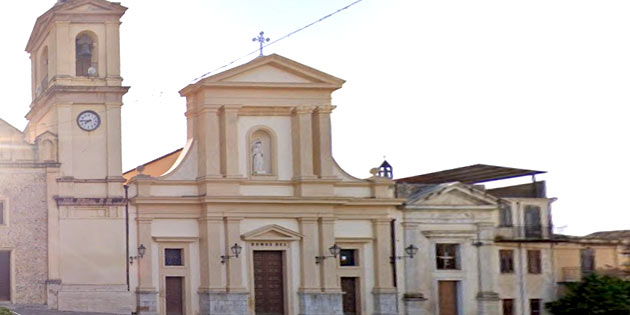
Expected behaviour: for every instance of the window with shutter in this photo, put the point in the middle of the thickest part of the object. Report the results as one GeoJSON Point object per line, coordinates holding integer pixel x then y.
{"type": "Point", "coordinates": [506, 257]}
{"type": "Point", "coordinates": [533, 262]}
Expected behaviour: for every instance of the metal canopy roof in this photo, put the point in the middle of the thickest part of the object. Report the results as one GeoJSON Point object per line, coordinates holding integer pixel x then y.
{"type": "Point", "coordinates": [472, 174]}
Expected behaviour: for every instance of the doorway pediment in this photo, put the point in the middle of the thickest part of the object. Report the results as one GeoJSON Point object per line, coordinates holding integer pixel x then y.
{"type": "Point", "coordinates": [272, 232]}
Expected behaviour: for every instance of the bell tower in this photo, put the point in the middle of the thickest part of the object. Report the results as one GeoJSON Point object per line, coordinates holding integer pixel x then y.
{"type": "Point", "coordinates": [76, 97]}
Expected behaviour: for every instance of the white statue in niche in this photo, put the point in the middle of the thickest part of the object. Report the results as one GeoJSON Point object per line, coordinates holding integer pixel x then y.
{"type": "Point", "coordinates": [258, 158]}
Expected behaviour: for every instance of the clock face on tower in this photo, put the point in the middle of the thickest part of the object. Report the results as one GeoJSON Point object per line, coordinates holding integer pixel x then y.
{"type": "Point", "coordinates": [88, 120]}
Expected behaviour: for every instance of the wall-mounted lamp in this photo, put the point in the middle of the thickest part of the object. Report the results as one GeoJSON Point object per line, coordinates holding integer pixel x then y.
{"type": "Point", "coordinates": [141, 251]}
{"type": "Point", "coordinates": [411, 251]}
{"type": "Point", "coordinates": [334, 252]}
{"type": "Point", "coordinates": [236, 250]}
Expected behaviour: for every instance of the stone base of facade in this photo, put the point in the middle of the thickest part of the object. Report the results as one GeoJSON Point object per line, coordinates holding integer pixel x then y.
{"type": "Point", "coordinates": [321, 303]}
{"type": "Point", "coordinates": [52, 293]}
{"type": "Point", "coordinates": [223, 303]}
{"type": "Point", "coordinates": [113, 299]}
{"type": "Point", "coordinates": [147, 302]}
{"type": "Point", "coordinates": [489, 303]}
{"type": "Point", "coordinates": [385, 302]}
{"type": "Point", "coordinates": [414, 304]}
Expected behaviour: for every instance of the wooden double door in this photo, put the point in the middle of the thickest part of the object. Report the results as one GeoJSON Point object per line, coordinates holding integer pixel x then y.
{"type": "Point", "coordinates": [269, 282]}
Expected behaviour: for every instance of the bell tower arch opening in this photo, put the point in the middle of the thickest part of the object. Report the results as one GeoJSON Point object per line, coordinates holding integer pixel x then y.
{"type": "Point", "coordinates": [86, 54]}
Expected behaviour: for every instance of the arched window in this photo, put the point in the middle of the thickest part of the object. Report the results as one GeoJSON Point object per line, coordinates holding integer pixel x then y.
{"type": "Point", "coordinates": [261, 153]}
{"type": "Point", "coordinates": [86, 55]}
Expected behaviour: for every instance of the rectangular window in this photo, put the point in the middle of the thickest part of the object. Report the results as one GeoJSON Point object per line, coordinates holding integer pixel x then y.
{"type": "Point", "coordinates": [506, 257]}
{"type": "Point", "coordinates": [508, 307]}
{"type": "Point", "coordinates": [505, 215]}
{"type": "Point", "coordinates": [533, 262]}
{"type": "Point", "coordinates": [1, 212]}
{"type": "Point", "coordinates": [447, 256]}
{"type": "Point", "coordinates": [348, 257]}
{"type": "Point", "coordinates": [173, 257]}
{"type": "Point", "coordinates": [534, 307]}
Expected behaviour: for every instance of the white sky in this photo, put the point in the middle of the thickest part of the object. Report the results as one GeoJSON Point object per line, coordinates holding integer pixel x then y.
{"type": "Point", "coordinates": [433, 85]}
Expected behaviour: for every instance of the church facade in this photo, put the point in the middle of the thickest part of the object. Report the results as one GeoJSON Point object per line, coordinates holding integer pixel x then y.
{"type": "Point", "coordinates": [252, 215]}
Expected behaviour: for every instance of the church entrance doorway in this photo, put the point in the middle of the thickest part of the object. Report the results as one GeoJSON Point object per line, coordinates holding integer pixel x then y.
{"type": "Point", "coordinates": [448, 297]}
{"type": "Point", "coordinates": [269, 282]}
{"type": "Point", "coordinates": [174, 296]}
{"type": "Point", "coordinates": [349, 288]}
{"type": "Point", "coordinates": [5, 276]}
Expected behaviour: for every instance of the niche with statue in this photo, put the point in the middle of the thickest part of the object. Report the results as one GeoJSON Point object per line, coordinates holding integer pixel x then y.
{"type": "Point", "coordinates": [261, 153]}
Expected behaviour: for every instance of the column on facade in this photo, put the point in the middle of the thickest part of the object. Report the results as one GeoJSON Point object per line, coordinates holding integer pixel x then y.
{"type": "Point", "coordinates": [146, 291]}
{"type": "Point", "coordinates": [309, 275]}
{"type": "Point", "coordinates": [207, 122]}
{"type": "Point", "coordinates": [145, 265]}
{"type": "Point", "coordinates": [413, 275]}
{"type": "Point", "coordinates": [488, 269]}
{"type": "Point", "coordinates": [212, 272]}
{"type": "Point", "coordinates": [229, 141]}
{"type": "Point", "coordinates": [234, 264]}
{"type": "Point", "coordinates": [385, 295]}
{"type": "Point", "coordinates": [302, 132]}
{"type": "Point", "coordinates": [63, 62]}
{"type": "Point", "coordinates": [113, 49]}
{"type": "Point", "coordinates": [322, 163]}
{"type": "Point", "coordinates": [328, 266]}
{"type": "Point", "coordinates": [114, 154]}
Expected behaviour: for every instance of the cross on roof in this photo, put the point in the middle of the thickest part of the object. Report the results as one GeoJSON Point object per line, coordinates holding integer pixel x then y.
{"type": "Point", "coordinates": [260, 39]}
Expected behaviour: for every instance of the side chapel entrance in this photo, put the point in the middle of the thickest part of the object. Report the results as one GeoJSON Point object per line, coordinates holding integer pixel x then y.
{"type": "Point", "coordinates": [269, 282]}
{"type": "Point", "coordinates": [349, 288]}
{"type": "Point", "coordinates": [448, 297]}
{"type": "Point", "coordinates": [174, 296]}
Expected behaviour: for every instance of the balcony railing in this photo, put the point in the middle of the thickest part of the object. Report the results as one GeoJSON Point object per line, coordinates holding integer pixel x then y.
{"type": "Point", "coordinates": [525, 232]}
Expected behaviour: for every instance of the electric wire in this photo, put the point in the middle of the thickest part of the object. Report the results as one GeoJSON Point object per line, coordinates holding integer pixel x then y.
{"type": "Point", "coordinates": [235, 60]}
{"type": "Point", "coordinates": [277, 40]}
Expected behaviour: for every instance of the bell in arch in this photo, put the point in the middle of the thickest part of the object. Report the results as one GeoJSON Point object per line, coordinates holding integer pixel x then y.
{"type": "Point", "coordinates": [84, 47]}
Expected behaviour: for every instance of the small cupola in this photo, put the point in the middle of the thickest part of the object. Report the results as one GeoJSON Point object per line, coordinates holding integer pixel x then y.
{"type": "Point", "coordinates": [385, 170]}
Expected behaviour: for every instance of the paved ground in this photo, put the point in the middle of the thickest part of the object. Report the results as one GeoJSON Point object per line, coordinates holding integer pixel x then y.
{"type": "Point", "coordinates": [22, 310]}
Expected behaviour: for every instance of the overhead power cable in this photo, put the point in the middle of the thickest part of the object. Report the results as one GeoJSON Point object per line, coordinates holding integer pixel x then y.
{"type": "Point", "coordinates": [277, 40]}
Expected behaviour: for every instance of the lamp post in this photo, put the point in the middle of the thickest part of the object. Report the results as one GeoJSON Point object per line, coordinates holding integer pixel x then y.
{"type": "Point", "coordinates": [236, 250]}
{"type": "Point", "coordinates": [334, 252]}
{"type": "Point", "coordinates": [141, 251]}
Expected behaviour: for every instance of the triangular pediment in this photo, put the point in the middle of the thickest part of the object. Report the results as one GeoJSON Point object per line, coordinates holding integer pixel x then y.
{"type": "Point", "coordinates": [89, 6]}
{"type": "Point", "coordinates": [453, 194]}
{"type": "Point", "coordinates": [272, 232]}
{"type": "Point", "coordinates": [270, 71]}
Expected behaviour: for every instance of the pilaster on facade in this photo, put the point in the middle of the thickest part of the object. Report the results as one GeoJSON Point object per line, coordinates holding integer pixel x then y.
{"type": "Point", "coordinates": [302, 132]}
{"type": "Point", "coordinates": [309, 245]}
{"type": "Point", "coordinates": [323, 163]}
{"type": "Point", "coordinates": [328, 267]}
{"type": "Point", "coordinates": [235, 265]}
{"type": "Point", "coordinates": [145, 266]}
{"type": "Point", "coordinates": [228, 115]}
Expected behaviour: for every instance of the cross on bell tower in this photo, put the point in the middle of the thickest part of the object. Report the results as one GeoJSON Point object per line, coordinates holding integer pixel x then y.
{"type": "Point", "coordinates": [261, 40]}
